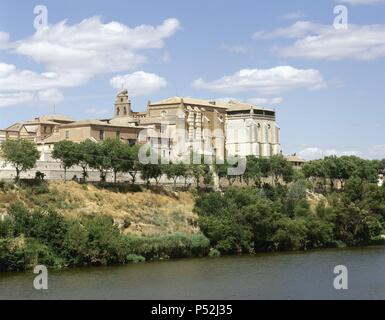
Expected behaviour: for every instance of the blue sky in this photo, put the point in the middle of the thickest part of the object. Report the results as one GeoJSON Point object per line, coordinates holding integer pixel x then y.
{"type": "Point", "coordinates": [327, 85]}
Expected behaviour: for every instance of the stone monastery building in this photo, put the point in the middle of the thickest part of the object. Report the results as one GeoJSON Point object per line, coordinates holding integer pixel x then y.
{"type": "Point", "coordinates": [176, 123]}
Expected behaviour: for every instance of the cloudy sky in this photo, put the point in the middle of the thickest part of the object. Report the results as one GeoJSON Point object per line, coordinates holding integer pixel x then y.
{"type": "Point", "coordinates": [326, 82]}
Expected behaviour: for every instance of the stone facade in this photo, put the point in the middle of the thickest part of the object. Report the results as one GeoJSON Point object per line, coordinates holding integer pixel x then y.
{"type": "Point", "coordinates": [251, 130]}
{"type": "Point", "coordinates": [174, 127]}
{"type": "Point", "coordinates": [177, 125]}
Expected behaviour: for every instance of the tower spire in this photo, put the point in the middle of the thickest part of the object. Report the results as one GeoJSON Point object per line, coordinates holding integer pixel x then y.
{"type": "Point", "coordinates": [122, 104]}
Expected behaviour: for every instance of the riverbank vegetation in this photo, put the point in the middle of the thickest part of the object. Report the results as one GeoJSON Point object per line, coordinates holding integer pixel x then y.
{"type": "Point", "coordinates": [329, 203]}
{"type": "Point", "coordinates": [47, 237]}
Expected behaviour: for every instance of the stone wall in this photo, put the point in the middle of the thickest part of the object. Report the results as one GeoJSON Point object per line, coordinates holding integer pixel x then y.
{"type": "Point", "coordinates": [54, 172]}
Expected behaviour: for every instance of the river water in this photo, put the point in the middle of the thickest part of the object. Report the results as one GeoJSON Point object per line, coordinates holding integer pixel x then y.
{"type": "Point", "coordinates": [307, 275]}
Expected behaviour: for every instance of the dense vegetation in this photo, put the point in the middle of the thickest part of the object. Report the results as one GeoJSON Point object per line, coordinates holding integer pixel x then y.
{"type": "Point", "coordinates": [46, 237]}
{"type": "Point", "coordinates": [269, 215]}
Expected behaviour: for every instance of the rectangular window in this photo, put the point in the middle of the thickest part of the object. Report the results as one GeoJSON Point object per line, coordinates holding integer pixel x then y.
{"type": "Point", "coordinates": [101, 135]}
{"type": "Point", "coordinates": [67, 134]}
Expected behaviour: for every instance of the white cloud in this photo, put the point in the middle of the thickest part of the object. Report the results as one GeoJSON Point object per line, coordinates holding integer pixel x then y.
{"type": "Point", "coordinates": [317, 41]}
{"type": "Point", "coordinates": [50, 95]}
{"type": "Point", "coordinates": [12, 79]}
{"type": "Point", "coordinates": [371, 152]}
{"type": "Point", "coordinates": [139, 83]}
{"type": "Point", "coordinates": [73, 54]}
{"type": "Point", "coordinates": [10, 99]}
{"type": "Point", "coordinates": [375, 152]}
{"type": "Point", "coordinates": [296, 30]}
{"type": "Point", "coordinates": [22, 97]}
{"type": "Point", "coordinates": [4, 37]}
{"type": "Point", "coordinates": [264, 81]}
{"type": "Point", "coordinates": [313, 153]}
{"type": "Point", "coordinates": [6, 69]}
{"type": "Point", "coordinates": [91, 47]}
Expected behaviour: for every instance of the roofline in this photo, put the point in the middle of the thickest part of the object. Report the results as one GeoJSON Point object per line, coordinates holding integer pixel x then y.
{"type": "Point", "coordinates": [74, 125]}
{"type": "Point", "coordinates": [245, 107]}
{"type": "Point", "coordinates": [182, 101]}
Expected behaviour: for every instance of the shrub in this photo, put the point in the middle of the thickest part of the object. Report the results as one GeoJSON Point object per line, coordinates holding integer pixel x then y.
{"type": "Point", "coordinates": [214, 253]}
{"type": "Point", "coordinates": [106, 244]}
{"type": "Point", "coordinates": [134, 258]}
{"type": "Point", "coordinates": [75, 245]}
{"type": "Point", "coordinates": [176, 245]}
{"type": "Point", "coordinates": [6, 186]}
{"type": "Point", "coordinates": [7, 228]}
{"type": "Point", "coordinates": [17, 254]}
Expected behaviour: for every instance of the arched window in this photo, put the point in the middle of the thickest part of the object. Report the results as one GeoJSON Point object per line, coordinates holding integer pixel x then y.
{"type": "Point", "coordinates": [117, 111]}
{"type": "Point", "coordinates": [125, 111]}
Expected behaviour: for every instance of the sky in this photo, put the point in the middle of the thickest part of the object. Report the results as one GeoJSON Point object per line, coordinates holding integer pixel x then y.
{"type": "Point", "coordinates": [319, 64]}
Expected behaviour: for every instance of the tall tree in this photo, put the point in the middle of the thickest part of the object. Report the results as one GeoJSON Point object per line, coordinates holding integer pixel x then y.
{"type": "Point", "coordinates": [21, 154]}
{"type": "Point", "coordinates": [131, 161]}
{"type": "Point", "coordinates": [151, 171]}
{"type": "Point", "coordinates": [116, 155]}
{"type": "Point", "coordinates": [84, 152]}
{"type": "Point", "coordinates": [175, 170]}
{"type": "Point", "coordinates": [280, 168]}
{"type": "Point", "coordinates": [253, 171]}
{"type": "Point", "coordinates": [66, 152]}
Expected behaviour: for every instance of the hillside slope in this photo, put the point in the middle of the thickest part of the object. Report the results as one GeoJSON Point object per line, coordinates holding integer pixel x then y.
{"type": "Point", "coordinates": [139, 213]}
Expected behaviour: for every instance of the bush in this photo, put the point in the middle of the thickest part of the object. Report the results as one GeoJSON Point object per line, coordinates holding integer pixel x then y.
{"type": "Point", "coordinates": [17, 254]}
{"type": "Point", "coordinates": [75, 245]}
{"type": "Point", "coordinates": [177, 245]}
{"type": "Point", "coordinates": [6, 186]}
{"type": "Point", "coordinates": [105, 244]}
{"type": "Point", "coordinates": [134, 258]}
{"type": "Point", "coordinates": [7, 228]}
{"type": "Point", "coordinates": [214, 253]}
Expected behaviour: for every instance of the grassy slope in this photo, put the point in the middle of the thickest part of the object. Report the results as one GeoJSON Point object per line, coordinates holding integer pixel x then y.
{"type": "Point", "coordinates": [146, 212]}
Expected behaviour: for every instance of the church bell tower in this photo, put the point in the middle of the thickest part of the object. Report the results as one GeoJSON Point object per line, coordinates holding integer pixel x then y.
{"type": "Point", "coordinates": [122, 104]}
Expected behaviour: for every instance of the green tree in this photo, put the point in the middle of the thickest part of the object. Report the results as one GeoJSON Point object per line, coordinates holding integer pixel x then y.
{"type": "Point", "coordinates": [151, 171]}
{"type": "Point", "coordinates": [21, 154]}
{"type": "Point", "coordinates": [84, 153]}
{"type": "Point", "coordinates": [67, 152]}
{"type": "Point", "coordinates": [116, 156]}
{"type": "Point", "coordinates": [99, 159]}
{"type": "Point", "coordinates": [280, 168]}
{"type": "Point", "coordinates": [197, 171]}
{"type": "Point", "coordinates": [253, 172]}
{"type": "Point", "coordinates": [223, 170]}
{"type": "Point", "coordinates": [175, 171]}
{"type": "Point", "coordinates": [132, 164]}
{"type": "Point", "coordinates": [316, 172]}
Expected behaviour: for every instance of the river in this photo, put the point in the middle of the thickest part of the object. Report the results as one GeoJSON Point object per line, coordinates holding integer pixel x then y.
{"type": "Point", "coordinates": [298, 275]}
